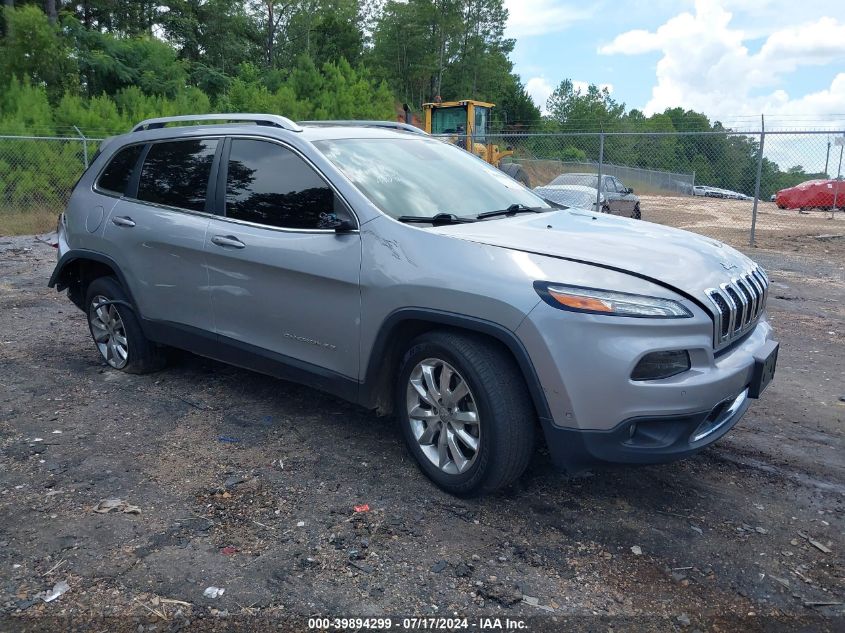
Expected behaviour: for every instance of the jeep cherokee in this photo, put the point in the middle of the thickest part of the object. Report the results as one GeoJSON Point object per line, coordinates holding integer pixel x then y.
{"type": "Point", "coordinates": [376, 263]}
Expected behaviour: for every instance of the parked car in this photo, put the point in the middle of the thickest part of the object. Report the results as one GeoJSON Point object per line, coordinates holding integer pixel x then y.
{"type": "Point", "coordinates": [699, 190]}
{"type": "Point", "coordinates": [620, 199]}
{"type": "Point", "coordinates": [402, 273]}
{"type": "Point", "coordinates": [574, 196]}
{"type": "Point", "coordinates": [820, 194]}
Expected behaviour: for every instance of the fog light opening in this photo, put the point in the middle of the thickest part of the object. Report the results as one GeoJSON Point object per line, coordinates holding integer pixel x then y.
{"type": "Point", "coordinates": [657, 365]}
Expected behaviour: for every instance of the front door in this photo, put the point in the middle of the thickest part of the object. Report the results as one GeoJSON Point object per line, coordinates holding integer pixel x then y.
{"type": "Point", "coordinates": [611, 195]}
{"type": "Point", "coordinates": [282, 286]}
{"type": "Point", "coordinates": [627, 202]}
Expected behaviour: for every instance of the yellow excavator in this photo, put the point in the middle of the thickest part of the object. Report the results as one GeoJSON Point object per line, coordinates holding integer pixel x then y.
{"type": "Point", "coordinates": [468, 122]}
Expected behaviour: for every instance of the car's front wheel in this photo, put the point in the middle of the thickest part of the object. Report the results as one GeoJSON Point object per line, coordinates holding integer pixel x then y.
{"type": "Point", "coordinates": [116, 330]}
{"type": "Point", "coordinates": [636, 214]}
{"type": "Point", "coordinates": [465, 412]}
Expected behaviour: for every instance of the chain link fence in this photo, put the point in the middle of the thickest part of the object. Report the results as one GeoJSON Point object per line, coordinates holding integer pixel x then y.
{"type": "Point", "coordinates": [37, 174]}
{"type": "Point", "coordinates": [773, 189]}
{"type": "Point", "coordinates": [718, 184]}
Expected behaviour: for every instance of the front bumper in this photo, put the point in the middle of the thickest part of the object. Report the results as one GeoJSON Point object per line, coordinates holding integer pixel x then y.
{"type": "Point", "coordinates": [644, 440]}
{"type": "Point", "coordinates": [600, 415]}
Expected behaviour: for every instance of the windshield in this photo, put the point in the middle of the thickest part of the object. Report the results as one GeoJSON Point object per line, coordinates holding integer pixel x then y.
{"type": "Point", "coordinates": [568, 197]}
{"type": "Point", "coordinates": [423, 177]}
{"type": "Point", "coordinates": [585, 180]}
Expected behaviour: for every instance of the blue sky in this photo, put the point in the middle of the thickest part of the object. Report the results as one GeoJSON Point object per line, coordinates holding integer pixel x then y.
{"type": "Point", "coordinates": [731, 59]}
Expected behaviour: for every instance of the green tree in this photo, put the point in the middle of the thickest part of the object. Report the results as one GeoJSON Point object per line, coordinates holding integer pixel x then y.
{"type": "Point", "coordinates": [37, 50]}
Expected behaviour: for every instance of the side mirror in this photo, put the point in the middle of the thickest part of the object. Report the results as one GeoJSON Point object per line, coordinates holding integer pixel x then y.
{"type": "Point", "coordinates": [331, 221]}
{"type": "Point", "coordinates": [629, 190]}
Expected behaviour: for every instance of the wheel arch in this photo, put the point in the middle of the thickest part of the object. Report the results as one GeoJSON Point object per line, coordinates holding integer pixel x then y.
{"type": "Point", "coordinates": [77, 268]}
{"type": "Point", "coordinates": [402, 326]}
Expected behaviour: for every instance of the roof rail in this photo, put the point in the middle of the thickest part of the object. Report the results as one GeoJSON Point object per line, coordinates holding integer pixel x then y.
{"type": "Point", "coordinates": [273, 120]}
{"type": "Point", "coordinates": [395, 125]}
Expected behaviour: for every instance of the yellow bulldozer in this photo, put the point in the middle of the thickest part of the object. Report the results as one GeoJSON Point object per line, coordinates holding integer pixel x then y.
{"type": "Point", "coordinates": [467, 122]}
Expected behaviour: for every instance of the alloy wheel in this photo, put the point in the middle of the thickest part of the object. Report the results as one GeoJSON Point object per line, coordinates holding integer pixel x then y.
{"type": "Point", "coordinates": [109, 332]}
{"type": "Point", "coordinates": [443, 416]}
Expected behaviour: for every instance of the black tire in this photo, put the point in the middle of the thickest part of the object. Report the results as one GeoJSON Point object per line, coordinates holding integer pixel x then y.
{"type": "Point", "coordinates": [515, 171]}
{"type": "Point", "coordinates": [143, 355]}
{"type": "Point", "coordinates": [507, 437]}
{"type": "Point", "coordinates": [636, 214]}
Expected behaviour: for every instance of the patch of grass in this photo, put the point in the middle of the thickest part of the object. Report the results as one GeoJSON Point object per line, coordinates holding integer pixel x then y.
{"type": "Point", "coordinates": [27, 222]}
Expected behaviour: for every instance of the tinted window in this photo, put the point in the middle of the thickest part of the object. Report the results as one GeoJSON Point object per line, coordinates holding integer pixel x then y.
{"type": "Point", "coordinates": [271, 185]}
{"type": "Point", "coordinates": [175, 173]}
{"type": "Point", "coordinates": [116, 175]}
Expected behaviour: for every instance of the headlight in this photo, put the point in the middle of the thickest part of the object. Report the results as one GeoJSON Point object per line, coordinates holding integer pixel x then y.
{"type": "Point", "coordinates": [596, 301]}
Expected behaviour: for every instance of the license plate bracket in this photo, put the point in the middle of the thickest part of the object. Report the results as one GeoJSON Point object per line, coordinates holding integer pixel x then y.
{"type": "Point", "coordinates": [765, 362]}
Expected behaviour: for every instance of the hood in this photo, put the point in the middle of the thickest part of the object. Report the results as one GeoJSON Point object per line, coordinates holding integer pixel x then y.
{"type": "Point", "coordinates": [685, 261]}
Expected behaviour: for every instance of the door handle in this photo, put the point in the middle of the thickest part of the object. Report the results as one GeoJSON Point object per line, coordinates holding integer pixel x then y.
{"type": "Point", "coordinates": [122, 220]}
{"type": "Point", "coordinates": [227, 240]}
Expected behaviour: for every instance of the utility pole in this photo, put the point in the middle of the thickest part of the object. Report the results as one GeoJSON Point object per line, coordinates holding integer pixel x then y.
{"type": "Point", "coordinates": [827, 157]}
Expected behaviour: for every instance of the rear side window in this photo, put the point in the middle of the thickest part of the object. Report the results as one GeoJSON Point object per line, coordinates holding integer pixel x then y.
{"type": "Point", "coordinates": [268, 184]}
{"type": "Point", "coordinates": [116, 175]}
{"type": "Point", "coordinates": [175, 173]}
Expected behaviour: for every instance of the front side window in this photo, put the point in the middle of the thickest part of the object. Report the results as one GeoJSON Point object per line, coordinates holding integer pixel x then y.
{"type": "Point", "coordinates": [269, 184]}
{"type": "Point", "coordinates": [116, 175]}
{"type": "Point", "coordinates": [479, 133]}
{"type": "Point", "coordinates": [449, 120]}
{"type": "Point", "coordinates": [423, 177]}
{"type": "Point", "coordinates": [609, 185]}
{"type": "Point", "coordinates": [175, 173]}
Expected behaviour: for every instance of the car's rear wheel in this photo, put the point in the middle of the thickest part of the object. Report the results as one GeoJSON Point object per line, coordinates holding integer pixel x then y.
{"type": "Point", "coordinates": [116, 330]}
{"type": "Point", "coordinates": [465, 412]}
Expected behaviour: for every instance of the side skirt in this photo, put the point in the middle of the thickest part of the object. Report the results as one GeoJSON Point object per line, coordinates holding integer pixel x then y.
{"type": "Point", "coordinates": [250, 357]}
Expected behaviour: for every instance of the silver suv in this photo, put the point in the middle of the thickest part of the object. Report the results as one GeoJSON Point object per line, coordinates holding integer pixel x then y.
{"type": "Point", "coordinates": [397, 271]}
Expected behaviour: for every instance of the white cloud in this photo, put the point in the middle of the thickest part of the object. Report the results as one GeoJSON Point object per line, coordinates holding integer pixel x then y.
{"type": "Point", "coordinates": [706, 64]}
{"type": "Point", "coordinates": [539, 89]}
{"type": "Point", "coordinates": [538, 17]}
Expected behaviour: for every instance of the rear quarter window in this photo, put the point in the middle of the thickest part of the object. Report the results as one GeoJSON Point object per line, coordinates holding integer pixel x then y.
{"type": "Point", "coordinates": [118, 172]}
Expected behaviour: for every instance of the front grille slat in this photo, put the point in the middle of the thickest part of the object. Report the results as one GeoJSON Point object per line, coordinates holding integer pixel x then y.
{"type": "Point", "coordinates": [738, 304]}
{"type": "Point", "coordinates": [758, 293]}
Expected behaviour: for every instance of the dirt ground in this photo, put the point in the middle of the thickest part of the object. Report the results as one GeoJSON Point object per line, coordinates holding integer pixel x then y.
{"type": "Point", "coordinates": [730, 221]}
{"type": "Point", "coordinates": [250, 484]}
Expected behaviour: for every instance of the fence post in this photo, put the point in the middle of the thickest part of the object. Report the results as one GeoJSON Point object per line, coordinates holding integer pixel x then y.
{"type": "Point", "coordinates": [841, 142]}
{"type": "Point", "coordinates": [759, 177]}
{"type": "Point", "coordinates": [84, 146]}
{"type": "Point", "coordinates": [598, 178]}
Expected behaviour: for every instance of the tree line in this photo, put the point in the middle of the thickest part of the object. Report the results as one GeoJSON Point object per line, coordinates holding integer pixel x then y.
{"type": "Point", "coordinates": [103, 65]}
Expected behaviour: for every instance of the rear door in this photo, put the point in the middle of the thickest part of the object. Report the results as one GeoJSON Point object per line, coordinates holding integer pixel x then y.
{"type": "Point", "coordinates": [282, 286]}
{"type": "Point", "coordinates": [156, 232]}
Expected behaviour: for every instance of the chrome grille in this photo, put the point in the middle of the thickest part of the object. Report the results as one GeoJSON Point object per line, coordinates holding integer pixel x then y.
{"type": "Point", "coordinates": [738, 305]}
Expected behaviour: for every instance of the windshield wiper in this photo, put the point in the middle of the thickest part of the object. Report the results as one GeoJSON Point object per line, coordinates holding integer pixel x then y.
{"type": "Point", "coordinates": [511, 210]}
{"type": "Point", "coordinates": [437, 219]}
